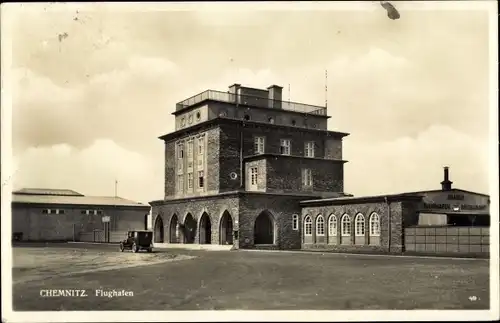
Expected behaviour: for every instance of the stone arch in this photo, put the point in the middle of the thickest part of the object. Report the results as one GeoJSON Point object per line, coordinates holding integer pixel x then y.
{"type": "Point", "coordinates": [226, 228]}
{"type": "Point", "coordinates": [189, 228]}
{"type": "Point", "coordinates": [174, 229]}
{"type": "Point", "coordinates": [264, 228]}
{"type": "Point", "coordinates": [159, 230]}
{"type": "Point", "coordinates": [205, 229]}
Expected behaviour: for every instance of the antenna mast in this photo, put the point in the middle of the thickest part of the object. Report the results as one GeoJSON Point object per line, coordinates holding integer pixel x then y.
{"type": "Point", "coordinates": [116, 187]}
{"type": "Point", "coordinates": [288, 93]}
{"type": "Point", "coordinates": [326, 88]}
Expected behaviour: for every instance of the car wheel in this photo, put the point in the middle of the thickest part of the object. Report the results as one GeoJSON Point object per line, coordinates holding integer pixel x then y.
{"type": "Point", "coordinates": [122, 247]}
{"type": "Point", "coordinates": [134, 248]}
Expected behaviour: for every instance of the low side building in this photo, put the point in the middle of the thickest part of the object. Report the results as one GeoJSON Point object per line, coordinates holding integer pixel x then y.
{"type": "Point", "coordinates": [369, 223]}
{"type": "Point", "coordinates": [66, 215]}
{"type": "Point", "coordinates": [448, 220]}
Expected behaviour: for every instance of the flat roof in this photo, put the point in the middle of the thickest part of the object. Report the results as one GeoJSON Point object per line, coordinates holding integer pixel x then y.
{"type": "Point", "coordinates": [74, 200]}
{"type": "Point", "coordinates": [47, 191]}
{"type": "Point", "coordinates": [361, 199]}
{"type": "Point", "coordinates": [453, 189]}
{"type": "Point", "coordinates": [415, 196]}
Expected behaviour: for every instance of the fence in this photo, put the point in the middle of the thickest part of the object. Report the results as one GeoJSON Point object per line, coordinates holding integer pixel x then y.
{"type": "Point", "coordinates": [465, 240]}
{"type": "Point", "coordinates": [99, 236]}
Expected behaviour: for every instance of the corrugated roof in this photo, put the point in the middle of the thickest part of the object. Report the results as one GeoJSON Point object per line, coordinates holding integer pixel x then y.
{"type": "Point", "coordinates": [74, 200]}
{"type": "Point", "coordinates": [47, 191]}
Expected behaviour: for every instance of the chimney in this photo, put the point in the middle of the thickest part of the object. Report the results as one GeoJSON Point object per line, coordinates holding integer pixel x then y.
{"type": "Point", "coordinates": [446, 183]}
{"type": "Point", "coordinates": [275, 96]}
{"type": "Point", "coordinates": [233, 89]}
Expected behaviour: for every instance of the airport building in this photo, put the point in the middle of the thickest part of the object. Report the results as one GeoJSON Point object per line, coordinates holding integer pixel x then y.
{"type": "Point", "coordinates": [66, 215]}
{"type": "Point", "coordinates": [246, 169]}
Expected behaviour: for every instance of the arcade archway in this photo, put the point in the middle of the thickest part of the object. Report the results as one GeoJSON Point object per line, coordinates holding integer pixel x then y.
{"type": "Point", "coordinates": [226, 229]}
{"type": "Point", "coordinates": [205, 229]}
{"type": "Point", "coordinates": [174, 229]}
{"type": "Point", "coordinates": [159, 230]}
{"type": "Point", "coordinates": [189, 229]}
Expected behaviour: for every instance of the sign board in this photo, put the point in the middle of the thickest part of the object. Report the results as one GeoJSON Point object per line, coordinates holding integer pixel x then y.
{"type": "Point", "coordinates": [106, 218]}
{"type": "Point", "coordinates": [454, 202]}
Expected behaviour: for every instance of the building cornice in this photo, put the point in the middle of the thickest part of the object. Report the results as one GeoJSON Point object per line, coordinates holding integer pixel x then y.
{"type": "Point", "coordinates": [362, 199]}
{"type": "Point", "coordinates": [235, 194]}
{"type": "Point", "coordinates": [244, 123]}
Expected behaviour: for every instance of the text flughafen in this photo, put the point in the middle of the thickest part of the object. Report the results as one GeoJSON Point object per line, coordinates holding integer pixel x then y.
{"type": "Point", "coordinates": [85, 293]}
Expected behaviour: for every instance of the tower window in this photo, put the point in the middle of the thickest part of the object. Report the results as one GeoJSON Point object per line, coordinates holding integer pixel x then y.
{"type": "Point", "coordinates": [259, 145]}
{"type": "Point", "coordinates": [285, 147]}
{"type": "Point", "coordinates": [246, 117]}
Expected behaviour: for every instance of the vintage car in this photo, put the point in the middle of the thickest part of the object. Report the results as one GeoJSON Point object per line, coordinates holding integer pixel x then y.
{"type": "Point", "coordinates": [138, 240]}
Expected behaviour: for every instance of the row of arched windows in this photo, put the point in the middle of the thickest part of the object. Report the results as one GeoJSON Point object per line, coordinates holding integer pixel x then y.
{"type": "Point", "coordinates": [345, 225]}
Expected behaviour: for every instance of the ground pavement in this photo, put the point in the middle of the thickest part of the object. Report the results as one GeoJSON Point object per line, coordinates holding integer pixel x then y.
{"type": "Point", "coordinates": [242, 280]}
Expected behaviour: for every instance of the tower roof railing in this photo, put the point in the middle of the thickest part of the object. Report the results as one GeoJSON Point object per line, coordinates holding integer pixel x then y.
{"type": "Point", "coordinates": [249, 100]}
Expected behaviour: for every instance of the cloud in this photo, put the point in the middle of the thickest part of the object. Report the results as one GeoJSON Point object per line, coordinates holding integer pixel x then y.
{"type": "Point", "coordinates": [46, 113]}
{"type": "Point", "coordinates": [412, 164]}
{"type": "Point", "coordinates": [91, 171]}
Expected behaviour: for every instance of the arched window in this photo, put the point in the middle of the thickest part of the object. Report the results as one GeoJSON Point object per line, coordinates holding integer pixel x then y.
{"type": "Point", "coordinates": [374, 225]}
{"type": "Point", "coordinates": [332, 225]}
{"type": "Point", "coordinates": [320, 225]}
{"type": "Point", "coordinates": [359, 223]}
{"type": "Point", "coordinates": [346, 225]}
{"type": "Point", "coordinates": [308, 226]}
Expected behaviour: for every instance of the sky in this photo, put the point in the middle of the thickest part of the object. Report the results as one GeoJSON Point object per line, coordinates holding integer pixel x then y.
{"type": "Point", "coordinates": [93, 87]}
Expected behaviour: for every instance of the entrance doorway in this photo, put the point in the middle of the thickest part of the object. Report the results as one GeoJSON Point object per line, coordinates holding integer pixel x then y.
{"type": "Point", "coordinates": [205, 229]}
{"type": "Point", "coordinates": [159, 230]}
{"type": "Point", "coordinates": [226, 229]}
{"type": "Point", "coordinates": [264, 229]}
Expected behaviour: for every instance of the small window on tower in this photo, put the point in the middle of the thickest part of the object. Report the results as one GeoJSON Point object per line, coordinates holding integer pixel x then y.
{"type": "Point", "coordinates": [247, 117]}
{"type": "Point", "coordinates": [293, 122]}
{"type": "Point", "coordinates": [201, 179]}
{"type": "Point", "coordinates": [198, 115]}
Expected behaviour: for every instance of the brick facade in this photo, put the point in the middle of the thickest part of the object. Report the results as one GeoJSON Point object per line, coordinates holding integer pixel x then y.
{"type": "Point", "coordinates": [230, 130]}
{"type": "Point", "coordinates": [244, 208]}
{"type": "Point", "coordinates": [391, 214]}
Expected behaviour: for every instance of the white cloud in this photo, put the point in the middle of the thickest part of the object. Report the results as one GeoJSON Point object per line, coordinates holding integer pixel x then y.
{"type": "Point", "coordinates": [91, 171]}
{"type": "Point", "coordinates": [412, 164]}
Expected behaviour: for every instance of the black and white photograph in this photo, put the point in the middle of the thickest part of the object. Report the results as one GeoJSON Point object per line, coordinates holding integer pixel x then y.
{"type": "Point", "coordinates": [249, 161]}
